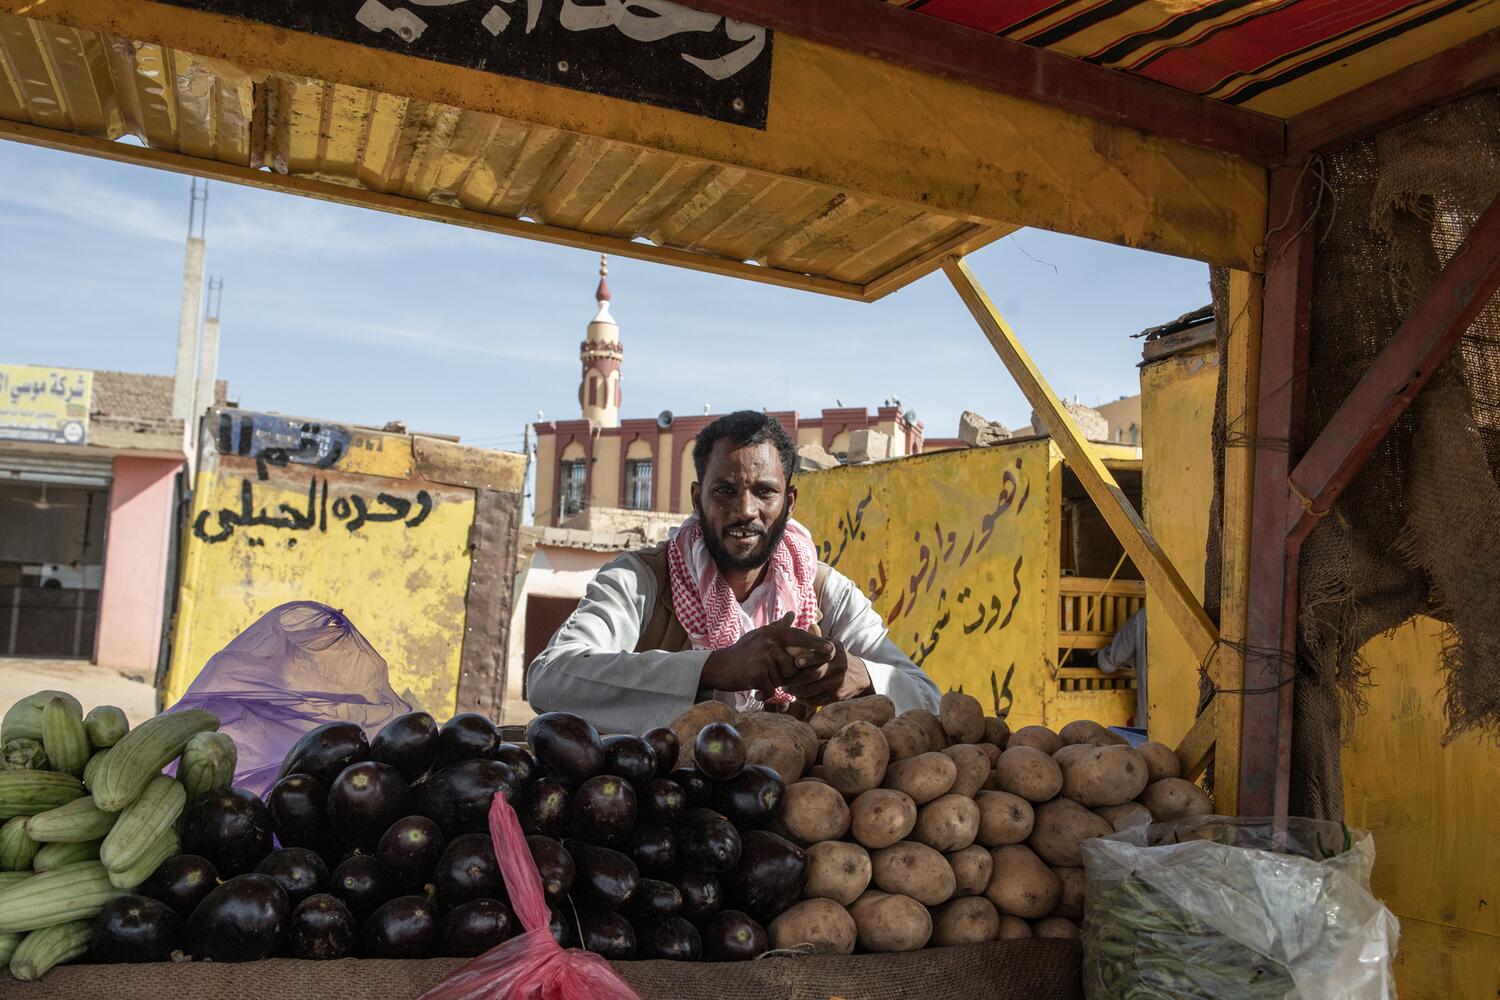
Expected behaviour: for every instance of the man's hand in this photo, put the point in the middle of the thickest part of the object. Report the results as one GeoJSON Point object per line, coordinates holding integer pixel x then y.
{"type": "Point", "coordinates": [765, 658]}
{"type": "Point", "coordinates": [841, 678]}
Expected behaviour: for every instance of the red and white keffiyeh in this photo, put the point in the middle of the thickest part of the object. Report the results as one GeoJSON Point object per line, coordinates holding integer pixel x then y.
{"type": "Point", "coordinates": [705, 603]}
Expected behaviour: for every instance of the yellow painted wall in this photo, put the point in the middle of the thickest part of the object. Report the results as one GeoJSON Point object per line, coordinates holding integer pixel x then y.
{"type": "Point", "coordinates": [809, 435]}
{"type": "Point", "coordinates": [604, 477]}
{"type": "Point", "coordinates": [544, 488]}
{"type": "Point", "coordinates": [1177, 414]}
{"type": "Point", "coordinates": [663, 471]}
{"type": "Point", "coordinates": [639, 450]}
{"type": "Point", "coordinates": [685, 477]}
{"type": "Point", "coordinates": [840, 443]}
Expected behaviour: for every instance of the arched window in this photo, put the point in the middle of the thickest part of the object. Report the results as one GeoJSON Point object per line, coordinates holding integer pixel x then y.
{"type": "Point", "coordinates": [573, 479]}
{"type": "Point", "coordinates": [639, 470]}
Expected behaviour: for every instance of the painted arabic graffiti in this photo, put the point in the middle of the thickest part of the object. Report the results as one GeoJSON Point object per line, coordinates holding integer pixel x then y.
{"type": "Point", "coordinates": [652, 51]}
{"type": "Point", "coordinates": [352, 509]}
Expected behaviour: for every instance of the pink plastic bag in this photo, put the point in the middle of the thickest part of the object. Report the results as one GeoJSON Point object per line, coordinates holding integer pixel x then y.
{"type": "Point", "coordinates": [532, 966]}
{"type": "Point", "coordinates": [300, 665]}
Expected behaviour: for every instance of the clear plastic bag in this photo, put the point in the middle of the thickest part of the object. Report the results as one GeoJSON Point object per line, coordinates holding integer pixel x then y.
{"type": "Point", "coordinates": [1212, 907]}
{"type": "Point", "coordinates": [300, 665]}
{"type": "Point", "coordinates": [532, 966]}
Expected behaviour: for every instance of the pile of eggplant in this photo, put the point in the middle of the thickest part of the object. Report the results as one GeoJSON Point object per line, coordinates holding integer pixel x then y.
{"type": "Point", "coordinates": [384, 849]}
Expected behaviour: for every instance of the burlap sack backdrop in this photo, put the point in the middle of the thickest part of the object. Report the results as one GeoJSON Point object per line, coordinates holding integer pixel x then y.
{"type": "Point", "coordinates": [1415, 531]}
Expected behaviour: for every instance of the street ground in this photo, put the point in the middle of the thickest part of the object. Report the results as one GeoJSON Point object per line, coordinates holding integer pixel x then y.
{"type": "Point", "coordinates": [90, 684]}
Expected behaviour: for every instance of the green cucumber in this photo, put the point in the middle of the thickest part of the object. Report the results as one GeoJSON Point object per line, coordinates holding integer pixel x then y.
{"type": "Point", "coordinates": [75, 823]}
{"type": "Point", "coordinates": [24, 720]}
{"type": "Point", "coordinates": [92, 768]}
{"type": "Point", "coordinates": [106, 726]}
{"type": "Point", "coordinates": [26, 793]}
{"type": "Point", "coordinates": [75, 892]}
{"type": "Point", "coordinates": [144, 751]}
{"type": "Point", "coordinates": [54, 856]}
{"type": "Point", "coordinates": [129, 878]}
{"type": "Point", "coordinates": [143, 823]}
{"type": "Point", "coordinates": [64, 738]}
{"type": "Point", "coordinates": [16, 847]}
{"type": "Point", "coordinates": [8, 879]}
{"type": "Point", "coordinates": [40, 950]}
{"type": "Point", "coordinates": [8, 943]}
{"type": "Point", "coordinates": [208, 762]}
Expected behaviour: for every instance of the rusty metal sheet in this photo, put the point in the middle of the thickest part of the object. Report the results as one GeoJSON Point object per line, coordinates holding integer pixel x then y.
{"type": "Point", "coordinates": [456, 464]}
{"type": "Point", "coordinates": [487, 605]}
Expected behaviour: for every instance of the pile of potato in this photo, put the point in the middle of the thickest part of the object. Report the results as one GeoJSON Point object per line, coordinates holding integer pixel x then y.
{"type": "Point", "coordinates": [931, 830]}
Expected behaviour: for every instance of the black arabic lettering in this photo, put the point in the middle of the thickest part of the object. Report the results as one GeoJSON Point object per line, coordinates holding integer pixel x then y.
{"type": "Point", "coordinates": [1007, 496]}
{"type": "Point", "coordinates": [655, 20]}
{"type": "Point", "coordinates": [353, 509]}
{"type": "Point", "coordinates": [1003, 699]}
{"type": "Point", "coordinates": [1016, 599]}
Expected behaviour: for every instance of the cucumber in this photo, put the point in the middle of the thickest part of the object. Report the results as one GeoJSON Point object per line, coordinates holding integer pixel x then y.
{"type": "Point", "coordinates": [106, 726]}
{"type": "Point", "coordinates": [143, 823]}
{"type": "Point", "coordinates": [64, 738]}
{"type": "Point", "coordinates": [76, 892]}
{"type": "Point", "coordinates": [40, 950]}
{"type": "Point", "coordinates": [8, 943]}
{"type": "Point", "coordinates": [129, 878]}
{"type": "Point", "coordinates": [92, 768]}
{"type": "Point", "coordinates": [208, 762]}
{"type": "Point", "coordinates": [25, 755]}
{"type": "Point", "coordinates": [24, 720]}
{"type": "Point", "coordinates": [16, 847]}
{"type": "Point", "coordinates": [143, 752]}
{"type": "Point", "coordinates": [8, 879]}
{"type": "Point", "coordinates": [26, 793]}
{"type": "Point", "coordinates": [75, 823]}
{"type": "Point", "coordinates": [54, 856]}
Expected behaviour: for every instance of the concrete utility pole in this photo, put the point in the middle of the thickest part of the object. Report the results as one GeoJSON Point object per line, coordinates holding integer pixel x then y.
{"type": "Point", "coordinates": [192, 299]}
{"type": "Point", "coordinates": [208, 351]}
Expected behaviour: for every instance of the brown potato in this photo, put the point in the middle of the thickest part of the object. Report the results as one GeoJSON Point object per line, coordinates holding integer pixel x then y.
{"type": "Point", "coordinates": [923, 777]}
{"type": "Point", "coordinates": [1174, 798]}
{"type": "Point", "coordinates": [837, 871]}
{"type": "Point", "coordinates": [962, 717]}
{"type": "Point", "coordinates": [1103, 776]}
{"type": "Point", "coordinates": [876, 709]}
{"type": "Point", "coordinates": [813, 812]}
{"type": "Point", "coordinates": [1003, 818]}
{"type": "Point", "coordinates": [1055, 927]}
{"type": "Point", "coordinates": [973, 767]}
{"type": "Point", "coordinates": [972, 868]}
{"type": "Point", "coordinates": [1125, 815]}
{"type": "Point", "coordinates": [755, 726]}
{"type": "Point", "coordinates": [691, 722]}
{"type": "Point", "coordinates": [818, 773]}
{"type": "Point", "coordinates": [996, 732]}
{"type": "Point", "coordinates": [1039, 737]}
{"type": "Point", "coordinates": [855, 758]}
{"type": "Point", "coordinates": [1012, 928]}
{"type": "Point", "coordinates": [914, 870]}
{"type": "Point", "coordinates": [1061, 825]}
{"type": "Point", "coordinates": [882, 817]}
{"type": "Point", "coordinates": [782, 756]}
{"type": "Point", "coordinates": [1071, 751]}
{"type": "Point", "coordinates": [1081, 731]}
{"type": "Point", "coordinates": [1161, 761]}
{"type": "Point", "coordinates": [1021, 884]}
{"type": "Point", "coordinates": [991, 751]}
{"type": "Point", "coordinates": [821, 923]}
{"type": "Point", "coordinates": [1070, 903]}
{"type": "Point", "coordinates": [1029, 773]}
{"type": "Point", "coordinates": [970, 920]}
{"type": "Point", "coordinates": [891, 922]}
{"type": "Point", "coordinates": [947, 823]}
{"type": "Point", "coordinates": [905, 737]}
{"type": "Point", "coordinates": [937, 736]}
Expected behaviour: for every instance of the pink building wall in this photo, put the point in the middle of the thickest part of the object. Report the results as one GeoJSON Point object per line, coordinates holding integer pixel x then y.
{"type": "Point", "coordinates": [135, 563]}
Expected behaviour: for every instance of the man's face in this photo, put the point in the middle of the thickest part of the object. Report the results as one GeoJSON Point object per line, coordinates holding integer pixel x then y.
{"type": "Point", "coordinates": [744, 503]}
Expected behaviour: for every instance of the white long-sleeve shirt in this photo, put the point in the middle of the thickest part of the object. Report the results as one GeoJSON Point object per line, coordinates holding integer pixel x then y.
{"type": "Point", "coordinates": [590, 667]}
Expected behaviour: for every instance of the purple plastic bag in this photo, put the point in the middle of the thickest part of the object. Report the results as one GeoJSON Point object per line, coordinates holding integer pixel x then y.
{"type": "Point", "coordinates": [301, 665]}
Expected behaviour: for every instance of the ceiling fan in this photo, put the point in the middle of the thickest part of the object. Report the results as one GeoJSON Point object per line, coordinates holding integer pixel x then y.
{"type": "Point", "coordinates": [42, 503]}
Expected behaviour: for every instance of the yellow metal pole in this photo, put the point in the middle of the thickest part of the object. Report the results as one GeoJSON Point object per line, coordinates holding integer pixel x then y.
{"type": "Point", "coordinates": [1179, 603]}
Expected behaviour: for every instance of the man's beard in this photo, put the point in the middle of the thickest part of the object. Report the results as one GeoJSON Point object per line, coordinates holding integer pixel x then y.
{"type": "Point", "coordinates": [755, 559]}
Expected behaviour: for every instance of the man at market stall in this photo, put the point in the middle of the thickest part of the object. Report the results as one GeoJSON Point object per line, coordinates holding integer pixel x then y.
{"type": "Point", "coordinates": [734, 606]}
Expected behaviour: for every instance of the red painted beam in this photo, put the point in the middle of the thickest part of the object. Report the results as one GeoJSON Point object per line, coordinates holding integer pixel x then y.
{"type": "Point", "coordinates": [1425, 338]}
{"type": "Point", "coordinates": [1271, 628]}
{"type": "Point", "coordinates": [1462, 70]}
{"type": "Point", "coordinates": [933, 45]}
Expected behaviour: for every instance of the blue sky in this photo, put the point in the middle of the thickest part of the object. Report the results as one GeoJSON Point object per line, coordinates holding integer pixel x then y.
{"type": "Point", "coordinates": [353, 315]}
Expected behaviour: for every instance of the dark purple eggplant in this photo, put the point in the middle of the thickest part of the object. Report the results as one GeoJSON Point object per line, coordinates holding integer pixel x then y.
{"type": "Point", "coordinates": [322, 928]}
{"type": "Point", "coordinates": [732, 936]}
{"type": "Point", "coordinates": [655, 900]}
{"type": "Point", "coordinates": [298, 805]}
{"type": "Point", "coordinates": [410, 848]}
{"type": "Point", "coordinates": [364, 800]}
{"type": "Point", "coordinates": [629, 757]}
{"type": "Point", "coordinates": [474, 928]}
{"type": "Point", "coordinates": [468, 870]}
{"type": "Point", "coordinates": [520, 762]}
{"type": "Point", "coordinates": [566, 747]}
{"type": "Point", "coordinates": [404, 927]}
{"type": "Point", "coordinates": [708, 841]}
{"type": "Point", "coordinates": [696, 788]}
{"type": "Point", "coordinates": [544, 807]}
{"type": "Point", "coordinates": [653, 848]}
{"type": "Point", "coordinates": [363, 882]}
{"type": "Point", "coordinates": [181, 882]}
{"type": "Point", "coordinates": [564, 928]}
{"type": "Point", "coordinates": [239, 921]}
{"type": "Point", "coordinates": [671, 938]}
{"type": "Point", "coordinates": [135, 929]}
{"type": "Point", "coordinates": [701, 893]}
{"type": "Point", "coordinates": [458, 798]}
{"type": "Point", "coordinates": [326, 750]}
{"type": "Point", "coordinates": [606, 878]}
{"type": "Point", "coordinates": [664, 745]}
{"type": "Point", "coordinates": [751, 799]}
{"type": "Point", "coordinates": [299, 872]}
{"type": "Point", "coordinates": [554, 864]}
{"type": "Point", "coordinates": [408, 743]}
{"type": "Point", "coordinates": [228, 826]}
{"type": "Point", "coordinates": [719, 751]}
{"type": "Point", "coordinates": [660, 802]}
{"type": "Point", "coordinates": [609, 935]}
{"type": "Point", "coordinates": [468, 736]}
{"type": "Point", "coordinates": [770, 875]}
{"type": "Point", "coordinates": [604, 810]}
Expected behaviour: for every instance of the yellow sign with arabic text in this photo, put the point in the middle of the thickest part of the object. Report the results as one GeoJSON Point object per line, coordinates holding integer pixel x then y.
{"type": "Point", "coordinates": [48, 405]}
